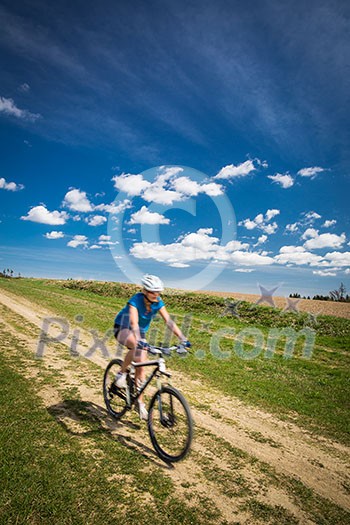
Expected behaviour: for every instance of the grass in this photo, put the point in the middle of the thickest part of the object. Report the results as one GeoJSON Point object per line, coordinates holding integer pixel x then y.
{"type": "Point", "coordinates": [313, 392]}
{"type": "Point", "coordinates": [51, 474]}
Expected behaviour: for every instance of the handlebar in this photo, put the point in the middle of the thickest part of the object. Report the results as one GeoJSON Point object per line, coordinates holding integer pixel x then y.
{"type": "Point", "coordinates": [159, 350]}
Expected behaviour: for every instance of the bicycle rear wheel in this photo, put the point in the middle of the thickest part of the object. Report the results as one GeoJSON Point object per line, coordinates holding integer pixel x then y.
{"type": "Point", "coordinates": [170, 424]}
{"type": "Point", "coordinates": [115, 398]}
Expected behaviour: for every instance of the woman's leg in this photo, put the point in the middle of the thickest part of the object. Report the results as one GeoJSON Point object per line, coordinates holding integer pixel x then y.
{"type": "Point", "coordinates": [127, 338]}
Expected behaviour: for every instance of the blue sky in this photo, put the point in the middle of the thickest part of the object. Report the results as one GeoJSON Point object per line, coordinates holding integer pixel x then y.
{"type": "Point", "coordinates": [218, 130]}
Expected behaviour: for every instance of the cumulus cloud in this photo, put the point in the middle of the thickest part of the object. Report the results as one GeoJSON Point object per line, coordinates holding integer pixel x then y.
{"type": "Point", "coordinates": [77, 200]}
{"type": "Point", "coordinates": [96, 220]}
{"type": "Point", "coordinates": [54, 235]}
{"type": "Point", "coordinates": [95, 247]}
{"type": "Point", "coordinates": [10, 186]}
{"type": "Point", "coordinates": [78, 240]}
{"type": "Point", "coordinates": [261, 222]}
{"type": "Point", "coordinates": [297, 255]}
{"type": "Point", "coordinates": [143, 216]}
{"type": "Point", "coordinates": [263, 238]}
{"type": "Point", "coordinates": [285, 181]}
{"type": "Point", "coordinates": [311, 216]}
{"type": "Point", "coordinates": [324, 273]}
{"type": "Point", "coordinates": [232, 172]}
{"type": "Point", "coordinates": [310, 172]}
{"type": "Point", "coordinates": [324, 240]}
{"type": "Point", "coordinates": [329, 223]}
{"type": "Point", "coordinates": [244, 270]}
{"type": "Point", "coordinates": [199, 246]}
{"type": "Point", "coordinates": [293, 228]}
{"type": "Point", "coordinates": [8, 107]}
{"type": "Point", "coordinates": [338, 258]}
{"type": "Point", "coordinates": [106, 240]}
{"type": "Point", "coordinates": [168, 187]}
{"type": "Point", "coordinates": [42, 215]}
{"type": "Point", "coordinates": [191, 188]}
{"type": "Point", "coordinates": [114, 208]}
{"type": "Point", "coordinates": [131, 184]}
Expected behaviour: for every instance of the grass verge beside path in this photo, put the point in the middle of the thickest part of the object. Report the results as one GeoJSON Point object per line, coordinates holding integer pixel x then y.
{"type": "Point", "coordinates": [314, 392]}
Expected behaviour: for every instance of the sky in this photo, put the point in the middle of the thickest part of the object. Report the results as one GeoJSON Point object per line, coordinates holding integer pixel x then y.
{"type": "Point", "coordinates": [204, 142]}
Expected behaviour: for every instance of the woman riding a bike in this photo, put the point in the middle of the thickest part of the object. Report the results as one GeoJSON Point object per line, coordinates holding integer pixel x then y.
{"type": "Point", "coordinates": [131, 325]}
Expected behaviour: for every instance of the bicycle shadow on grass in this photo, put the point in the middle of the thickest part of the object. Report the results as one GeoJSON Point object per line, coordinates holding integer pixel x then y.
{"type": "Point", "coordinates": [86, 419]}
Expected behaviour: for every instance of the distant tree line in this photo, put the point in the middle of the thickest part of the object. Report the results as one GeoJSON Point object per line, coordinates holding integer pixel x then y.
{"type": "Point", "coordinates": [9, 273]}
{"type": "Point", "coordinates": [338, 295]}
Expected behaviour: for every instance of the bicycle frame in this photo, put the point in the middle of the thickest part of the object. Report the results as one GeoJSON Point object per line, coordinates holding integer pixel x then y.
{"type": "Point", "coordinates": [160, 369]}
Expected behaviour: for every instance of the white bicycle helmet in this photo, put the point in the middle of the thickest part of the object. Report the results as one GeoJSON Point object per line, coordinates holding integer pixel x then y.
{"type": "Point", "coordinates": [152, 283]}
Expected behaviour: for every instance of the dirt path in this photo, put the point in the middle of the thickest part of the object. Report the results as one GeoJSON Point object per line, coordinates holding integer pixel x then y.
{"type": "Point", "coordinates": [226, 428]}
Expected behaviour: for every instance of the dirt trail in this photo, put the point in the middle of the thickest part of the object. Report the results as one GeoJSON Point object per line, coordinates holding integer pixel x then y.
{"type": "Point", "coordinates": [319, 463]}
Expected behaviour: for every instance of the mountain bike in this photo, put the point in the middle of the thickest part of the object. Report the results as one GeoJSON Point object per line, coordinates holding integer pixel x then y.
{"type": "Point", "coordinates": [170, 423]}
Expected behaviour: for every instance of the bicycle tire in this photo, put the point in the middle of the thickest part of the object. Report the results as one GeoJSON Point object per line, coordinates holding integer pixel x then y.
{"type": "Point", "coordinates": [171, 424]}
{"type": "Point", "coordinates": [115, 399]}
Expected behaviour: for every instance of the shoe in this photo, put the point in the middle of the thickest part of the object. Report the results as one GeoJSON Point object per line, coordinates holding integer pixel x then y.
{"type": "Point", "coordinates": [120, 380]}
{"type": "Point", "coordinates": [142, 410]}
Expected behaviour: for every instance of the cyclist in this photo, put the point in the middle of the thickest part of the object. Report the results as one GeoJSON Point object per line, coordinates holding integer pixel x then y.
{"type": "Point", "coordinates": [131, 325]}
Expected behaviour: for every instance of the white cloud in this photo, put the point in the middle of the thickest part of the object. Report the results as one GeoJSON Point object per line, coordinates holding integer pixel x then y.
{"type": "Point", "coordinates": [329, 223]}
{"type": "Point", "coordinates": [292, 227]}
{"type": "Point", "coordinates": [106, 240]}
{"type": "Point", "coordinates": [158, 194]}
{"type": "Point", "coordinates": [310, 172]}
{"type": "Point", "coordinates": [249, 224]}
{"type": "Point", "coordinates": [244, 270]}
{"type": "Point", "coordinates": [325, 240]}
{"type": "Point", "coordinates": [10, 186]}
{"type": "Point", "coordinates": [95, 247]}
{"type": "Point", "coordinates": [262, 239]}
{"type": "Point", "coordinates": [42, 215]}
{"type": "Point", "coordinates": [285, 181]}
{"type": "Point", "coordinates": [77, 200]}
{"type": "Point", "coordinates": [133, 185]}
{"type": "Point", "coordinates": [188, 187]}
{"type": "Point", "coordinates": [143, 216]}
{"type": "Point", "coordinates": [231, 171]}
{"type": "Point", "coordinates": [270, 228]}
{"type": "Point", "coordinates": [78, 240]}
{"type": "Point", "coordinates": [166, 188]}
{"type": "Point", "coordinates": [311, 216]}
{"type": "Point", "coordinates": [310, 233]}
{"type": "Point", "coordinates": [262, 222]}
{"type": "Point", "coordinates": [179, 265]}
{"type": "Point", "coordinates": [114, 208]}
{"type": "Point", "coordinates": [338, 258]}
{"type": "Point", "coordinates": [54, 235]}
{"type": "Point", "coordinates": [270, 214]}
{"type": "Point", "coordinates": [297, 255]}
{"type": "Point", "coordinates": [347, 271]}
{"type": "Point", "coordinates": [8, 107]}
{"type": "Point", "coordinates": [96, 220]}
{"type": "Point", "coordinates": [199, 246]}
{"type": "Point", "coordinates": [324, 273]}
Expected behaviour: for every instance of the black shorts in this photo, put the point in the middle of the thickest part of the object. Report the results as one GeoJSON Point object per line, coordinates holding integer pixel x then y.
{"type": "Point", "coordinates": [117, 328]}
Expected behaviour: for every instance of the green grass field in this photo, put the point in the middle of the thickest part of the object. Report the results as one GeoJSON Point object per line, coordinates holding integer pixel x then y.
{"type": "Point", "coordinates": [64, 461]}
{"type": "Point", "coordinates": [313, 391]}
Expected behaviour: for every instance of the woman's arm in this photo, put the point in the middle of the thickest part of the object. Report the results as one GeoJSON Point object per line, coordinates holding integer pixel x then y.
{"type": "Point", "coordinates": [171, 324]}
{"type": "Point", "coordinates": [134, 322]}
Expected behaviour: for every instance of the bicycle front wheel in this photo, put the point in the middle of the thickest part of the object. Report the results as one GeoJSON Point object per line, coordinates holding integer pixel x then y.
{"type": "Point", "coordinates": [170, 424]}
{"type": "Point", "coordinates": [114, 397]}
